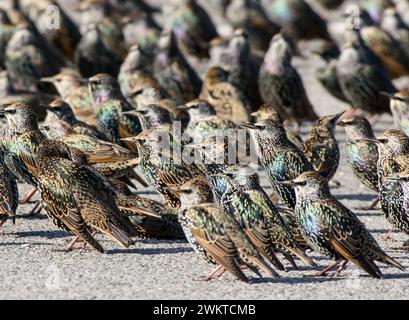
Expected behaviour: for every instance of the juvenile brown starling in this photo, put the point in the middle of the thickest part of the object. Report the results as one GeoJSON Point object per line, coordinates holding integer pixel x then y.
{"type": "Point", "coordinates": [332, 230]}
{"type": "Point", "coordinates": [216, 235]}
{"type": "Point", "coordinates": [362, 82]}
{"type": "Point", "coordinates": [362, 155]}
{"type": "Point", "coordinates": [228, 100]}
{"type": "Point", "coordinates": [281, 85]}
{"type": "Point", "coordinates": [76, 198]}
{"type": "Point", "coordinates": [246, 200]}
{"type": "Point", "coordinates": [321, 148]}
{"type": "Point", "coordinates": [281, 159]}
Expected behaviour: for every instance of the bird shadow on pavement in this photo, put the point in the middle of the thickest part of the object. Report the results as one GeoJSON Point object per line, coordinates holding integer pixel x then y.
{"type": "Point", "coordinates": [50, 234]}
{"type": "Point", "coordinates": [15, 244]}
{"type": "Point", "coordinates": [298, 280]}
{"type": "Point", "coordinates": [360, 197]}
{"type": "Point", "coordinates": [150, 251]}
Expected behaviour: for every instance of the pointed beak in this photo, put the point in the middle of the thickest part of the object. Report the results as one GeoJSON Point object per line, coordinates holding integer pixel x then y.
{"type": "Point", "coordinates": [183, 107]}
{"type": "Point", "coordinates": [376, 141]}
{"type": "Point", "coordinates": [131, 139]}
{"type": "Point", "coordinates": [288, 183]}
{"type": "Point", "coordinates": [84, 80]}
{"type": "Point", "coordinates": [395, 177]}
{"type": "Point", "coordinates": [337, 116]}
{"type": "Point", "coordinates": [48, 80]}
{"type": "Point", "coordinates": [132, 113]}
{"type": "Point", "coordinates": [342, 123]}
{"type": "Point", "coordinates": [391, 96]}
{"type": "Point", "coordinates": [248, 126]}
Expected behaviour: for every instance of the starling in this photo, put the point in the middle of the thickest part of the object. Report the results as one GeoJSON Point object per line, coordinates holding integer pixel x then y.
{"type": "Point", "coordinates": [21, 150]}
{"type": "Point", "coordinates": [362, 156]}
{"type": "Point", "coordinates": [216, 235]}
{"type": "Point", "coordinates": [159, 164]}
{"type": "Point", "coordinates": [330, 4]}
{"type": "Point", "coordinates": [228, 100]}
{"type": "Point", "coordinates": [396, 27]}
{"type": "Point", "coordinates": [92, 56]}
{"type": "Point", "coordinates": [334, 231]}
{"type": "Point", "coordinates": [28, 58]}
{"type": "Point", "coordinates": [63, 111]}
{"type": "Point", "coordinates": [250, 16]}
{"type": "Point", "coordinates": [243, 67]}
{"type": "Point", "coordinates": [399, 105]}
{"type": "Point", "coordinates": [76, 198]}
{"type": "Point", "coordinates": [203, 121]}
{"type": "Point", "coordinates": [281, 85]}
{"type": "Point", "coordinates": [266, 112]}
{"type": "Point", "coordinates": [150, 218]}
{"type": "Point", "coordinates": [321, 147]}
{"type": "Point", "coordinates": [75, 92]}
{"type": "Point", "coordinates": [298, 20]}
{"type": "Point", "coordinates": [8, 193]}
{"type": "Point", "coordinates": [393, 148]}
{"type": "Point", "coordinates": [174, 74]}
{"type": "Point", "coordinates": [362, 82]}
{"type": "Point", "coordinates": [193, 28]}
{"type": "Point", "coordinates": [111, 120]}
{"type": "Point", "coordinates": [389, 51]}
{"type": "Point", "coordinates": [281, 159]}
{"type": "Point", "coordinates": [154, 116]}
{"type": "Point", "coordinates": [246, 200]}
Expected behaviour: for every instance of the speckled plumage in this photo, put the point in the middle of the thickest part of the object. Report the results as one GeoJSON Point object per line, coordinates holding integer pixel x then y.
{"type": "Point", "coordinates": [281, 159]}
{"type": "Point", "coordinates": [362, 156]}
{"type": "Point", "coordinates": [218, 236]}
{"type": "Point", "coordinates": [76, 198]}
{"type": "Point", "coordinates": [332, 229]}
{"type": "Point", "coordinates": [321, 148]}
{"type": "Point", "coordinates": [8, 192]}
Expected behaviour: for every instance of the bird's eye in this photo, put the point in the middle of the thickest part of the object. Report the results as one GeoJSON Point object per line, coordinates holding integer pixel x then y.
{"type": "Point", "coordinates": [11, 111]}
{"type": "Point", "coordinates": [302, 183]}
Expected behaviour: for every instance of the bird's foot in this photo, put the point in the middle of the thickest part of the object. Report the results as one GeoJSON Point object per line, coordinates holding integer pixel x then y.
{"type": "Point", "coordinates": [388, 235]}
{"type": "Point", "coordinates": [35, 210]}
{"type": "Point", "coordinates": [339, 272]}
{"type": "Point", "coordinates": [28, 196]}
{"type": "Point", "coordinates": [324, 272]}
{"type": "Point", "coordinates": [215, 274]}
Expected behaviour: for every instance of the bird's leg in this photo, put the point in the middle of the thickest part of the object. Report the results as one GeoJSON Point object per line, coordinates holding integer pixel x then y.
{"type": "Point", "coordinates": [340, 269]}
{"type": "Point", "coordinates": [324, 272]}
{"type": "Point", "coordinates": [72, 244]}
{"type": "Point", "coordinates": [28, 196]}
{"type": "Point", "coordinates": [216, 273]}
{"type": "Point", "coordinates": [388, 235]}
{"type": "Point", "coordinates": [34, 210]}
{"type": "Point", "coordinates": [2, 222]}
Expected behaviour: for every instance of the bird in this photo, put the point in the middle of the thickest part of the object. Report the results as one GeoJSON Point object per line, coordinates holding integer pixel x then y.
{"type": "Point", "coordinates": [172, 71]}
{"type": "Point", "coordinates": [268, 111]}
{"type": "Point", "coordinates": [204, 122]}
{"type": "Point", "coordinates": [396, 27]}
{"type": "Point", "coordinates": [393, 148]}
{"type": "Point", "coordinates": [193, 28]}
{"type": "Point", "coordinates": [151, 219]}
{"type": "Point", "coordinates": [334, 231]}
{"type": "Point", "coordinates": [250, 16]}
{"type": "Point", "coordinates": [281, 159]}
{"type": "Point", "coordinates": [281, 85]}
{"type": "Point", "coordinates": [25, 138]}
{"type": "Point", "coordinates": [246, 200]}
{"type": "Point", "coordinates": [298, 20]}
{"type": "Point", "coordinates": [217, 236]}
{"type": "Point", "coordinates": [362, 83]}
{"type": "Point", "coordinates": [63, 111]}
{"type": "Point", "coordinates": [76, 198]}
{"type": "Point", "coordinates": [228, 100]}
{"type": "Point", "coordinates": [153, 116]}
{"type": "Point", "coordinates": [330, 4]}
{"type": "Point", "coordinates": [74, 91]}
{"type": "Point", "coordinates": [9, 193]}
{"type": "Point", "coordinates": [321, 148]}
{"type": "Point", "coordinates": [157, 151]}
{"type": "Point", "coordinates": [362, 156]}
{"type": "Point", "coordinates": [399, 106]}
{"type": "Point", "coordinates": [93, 56]}
{"type": "Point", "coordinates": [111, 120]}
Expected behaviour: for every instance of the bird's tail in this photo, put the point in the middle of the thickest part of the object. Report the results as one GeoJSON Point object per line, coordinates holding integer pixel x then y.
{"type": "Point", "coordinates": [118, 235]}
{"type": "Point", "coordinates": [302, 256]}
{"type": "Point", "coordinates": [388, 260]}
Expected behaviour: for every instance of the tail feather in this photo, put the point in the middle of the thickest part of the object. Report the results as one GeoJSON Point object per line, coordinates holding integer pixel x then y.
{"type": "Point", "coordinates": [118, 235]}
{"type": "Point", "coordinates": [261, 264]}
{"type": "Point", "coordinates": [302, 256]}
